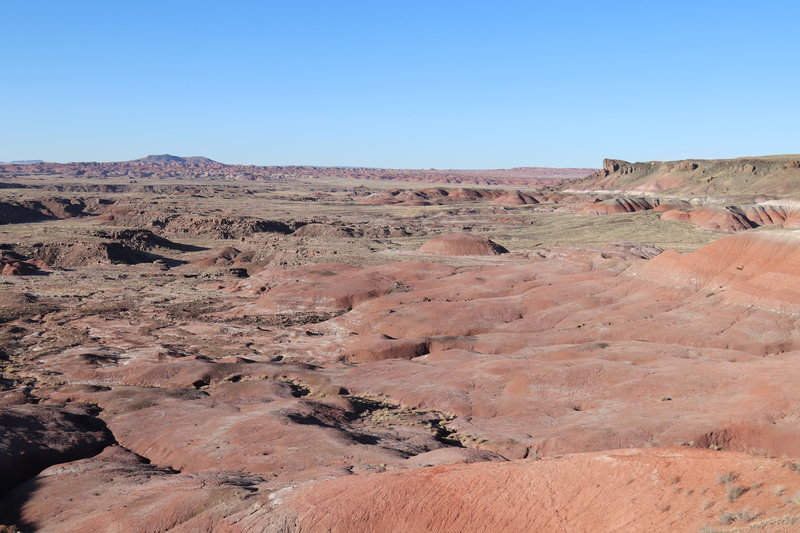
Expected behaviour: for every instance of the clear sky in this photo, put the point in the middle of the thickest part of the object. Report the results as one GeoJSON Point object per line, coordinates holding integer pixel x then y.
{"type": "Point", "coordinates": [405, 84]}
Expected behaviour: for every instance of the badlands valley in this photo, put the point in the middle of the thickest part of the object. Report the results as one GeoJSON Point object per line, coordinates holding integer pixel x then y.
{"type": "Point", "coordinates": [190, 346]}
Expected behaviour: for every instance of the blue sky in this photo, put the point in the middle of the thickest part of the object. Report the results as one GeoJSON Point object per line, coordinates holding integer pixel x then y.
{"type": "Point", "coordinates": [444, 84]}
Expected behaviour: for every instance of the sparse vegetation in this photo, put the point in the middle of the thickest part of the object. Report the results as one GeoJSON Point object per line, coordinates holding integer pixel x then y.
{"type": "Point", "coordinates": [793, 466]}
{"type": "Point", "coordinates": [744, 516]}
{"type": "Point", "coordinates": [735, 492]}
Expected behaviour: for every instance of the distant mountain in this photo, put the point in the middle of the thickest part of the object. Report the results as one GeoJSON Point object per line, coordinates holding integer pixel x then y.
{"type": "Point", "coordinates": [23, 162]}
{"type": "Point", "coordinates": [167, 158]}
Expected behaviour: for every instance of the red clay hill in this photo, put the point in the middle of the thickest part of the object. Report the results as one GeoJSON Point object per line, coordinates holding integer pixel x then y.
{"type": "Point", "coordinates": [462, 244]}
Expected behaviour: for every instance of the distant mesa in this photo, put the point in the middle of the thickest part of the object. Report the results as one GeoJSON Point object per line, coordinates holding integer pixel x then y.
{"type": "Point", "coordinates": [776, 174]}
{"type": "Point", "coordinates": [462, 244]}
{"type": "Point", "coordinates": [22, 162]}
{"type": "Point", "coordinates": [168, 158]}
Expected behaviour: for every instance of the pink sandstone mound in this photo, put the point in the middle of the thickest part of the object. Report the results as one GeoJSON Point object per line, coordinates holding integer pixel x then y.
{"type": "Point", "coordinates": [462, 244]}
{"type": "Point", "coordinates": [712, 219]}
{"type": "Point", "coordinates": [655, 490]}
{"type": "Point", "coordinates": [738, 218]}
{"type": "Point", "coordinates": [516, 198]}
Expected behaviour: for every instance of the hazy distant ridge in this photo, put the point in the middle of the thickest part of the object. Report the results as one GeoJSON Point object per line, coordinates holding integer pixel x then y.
{"type": "Point", "coordinates": [198, 167]}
